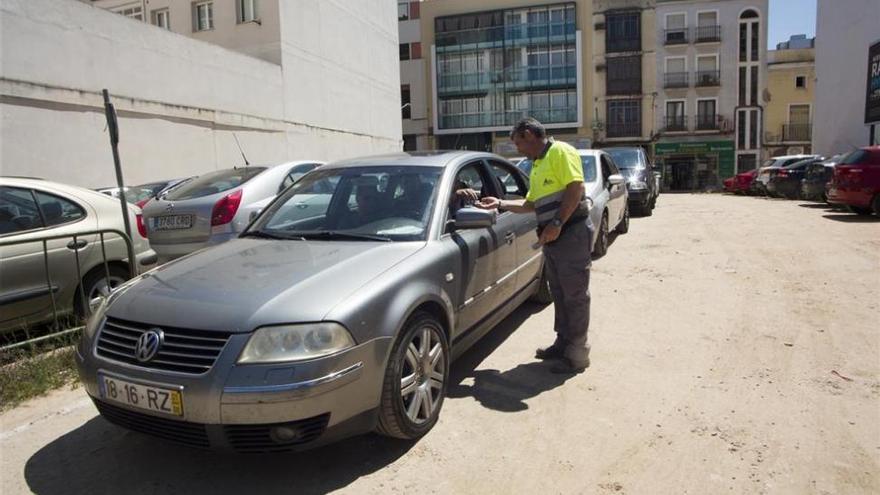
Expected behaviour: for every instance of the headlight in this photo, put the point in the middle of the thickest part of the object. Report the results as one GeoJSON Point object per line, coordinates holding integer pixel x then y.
{"type": "Point", "coordinates": [295, 343]}
{"type": "Point", "coordinates": [635, 183]}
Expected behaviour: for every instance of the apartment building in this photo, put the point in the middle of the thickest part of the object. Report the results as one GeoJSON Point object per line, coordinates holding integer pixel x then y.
{"type": "Point", "coordinates": [251, 27]}
{"type": "Point", "coordinates": [624, 76]}
{"type": "Point", "coordinates": [791, 83]}
{"type": "Point", "coordinates": [711, 69]}
{"type": "Point", "coordinates": [490, 64]}
{"type": "Point", "coordinates": [413, 97]}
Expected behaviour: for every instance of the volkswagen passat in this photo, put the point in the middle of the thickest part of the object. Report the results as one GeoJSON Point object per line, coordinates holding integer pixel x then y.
{"type": "Point", "coordinates": [320, 321]}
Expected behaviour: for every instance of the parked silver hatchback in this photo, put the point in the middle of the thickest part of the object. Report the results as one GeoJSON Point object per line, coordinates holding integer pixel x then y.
{"type": "Point", "coordinates": [215, 207]}
{"type": "Point", "coordinates": [321, 321]}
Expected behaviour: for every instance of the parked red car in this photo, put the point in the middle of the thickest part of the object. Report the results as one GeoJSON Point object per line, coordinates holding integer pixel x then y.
{"type": "Point", "coordinates": [740, 183]}
{"type": "Point", "coordinates": [856, 181]}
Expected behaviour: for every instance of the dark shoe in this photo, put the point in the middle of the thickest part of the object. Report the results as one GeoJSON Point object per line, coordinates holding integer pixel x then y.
{"type": "Point", "coordinates": [566, 367]}
{"type": "Point", "coordinates": [551, 352]}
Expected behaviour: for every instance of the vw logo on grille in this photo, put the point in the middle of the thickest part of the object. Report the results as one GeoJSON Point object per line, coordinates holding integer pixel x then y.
{"type": "Point", "coordinates": [148, 344]}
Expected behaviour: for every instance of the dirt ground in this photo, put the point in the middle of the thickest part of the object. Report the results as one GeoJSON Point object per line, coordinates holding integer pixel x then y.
{"type": "Point", "coordinates": [736, 349]}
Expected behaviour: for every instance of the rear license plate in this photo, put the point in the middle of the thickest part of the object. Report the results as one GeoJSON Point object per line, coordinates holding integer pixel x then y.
{"type": "Point", "coordinates": [173, 222]}
{"type": "Point", "coordinates": [146, 397]}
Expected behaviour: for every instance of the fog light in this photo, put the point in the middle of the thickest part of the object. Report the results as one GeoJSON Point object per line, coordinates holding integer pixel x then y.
{"type": "Point", "coordinates": [284, 434]}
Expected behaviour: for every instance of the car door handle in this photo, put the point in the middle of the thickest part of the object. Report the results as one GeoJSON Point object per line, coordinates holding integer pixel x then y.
{"type": "Point", "coordinates": [74, 245]}
{"type": "Point", "coordinates": [510, 237]}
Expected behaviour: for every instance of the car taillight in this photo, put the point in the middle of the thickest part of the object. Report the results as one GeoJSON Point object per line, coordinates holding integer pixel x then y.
{"type": "Point", "coordinates": [782, 173]}
{"type": "Point", "coordinates": [141, 203]}
{"type": "Point", "coordinates": [142, 227]}
{"type": "Point", "coordinates": [225, 209]}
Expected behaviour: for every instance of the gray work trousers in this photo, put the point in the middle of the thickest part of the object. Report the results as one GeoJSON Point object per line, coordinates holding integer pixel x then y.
{"type": "Point", "coordinates": [567, 265]}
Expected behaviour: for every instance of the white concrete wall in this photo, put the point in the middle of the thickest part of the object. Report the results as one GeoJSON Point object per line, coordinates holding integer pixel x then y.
{"type": "Point", "coordinates": [180, 100]}
{"type": "Point", "coordinates": [844, 30]}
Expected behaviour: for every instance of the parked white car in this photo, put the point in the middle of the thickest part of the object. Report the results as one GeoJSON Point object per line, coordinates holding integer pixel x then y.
{"type": "Point", "coordinates": [32, 209]}
{"type": "Point", "coordinates": [215, 207]}
{"type": "Point", "coordinates": [605, 187]}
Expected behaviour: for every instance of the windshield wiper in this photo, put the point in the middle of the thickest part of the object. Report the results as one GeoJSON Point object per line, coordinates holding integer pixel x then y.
{"type": "Point", "coordinates": [272, 235]}
{"type": "Point", "coordinates": [336, 234]}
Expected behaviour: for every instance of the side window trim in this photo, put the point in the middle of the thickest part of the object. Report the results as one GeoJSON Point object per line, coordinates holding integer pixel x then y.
{"type": "Point", "coordinates": [36, 207]}
{"type": "Point", "coordinates": [82, 209]}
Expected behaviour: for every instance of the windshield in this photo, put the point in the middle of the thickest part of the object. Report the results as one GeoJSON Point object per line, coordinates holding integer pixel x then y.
{"type": "Point", "coordinates": [625, 158]}
{"type": "Point", "coordinates": [213, 183]}
{"type": "Point", "coordinates": [377, 202]}
{"type": "Point", "coordinates": [854, 157]}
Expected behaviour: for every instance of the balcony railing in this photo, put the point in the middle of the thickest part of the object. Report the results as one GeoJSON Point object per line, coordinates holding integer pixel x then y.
{"type": "Point", "coordinates": [707, 34]}
{"type": "Point", "coordinates": [707, 78]}
{"type": "Point", "coordinates": [533, 77]}
{"type": "Point", "coordinates": [676, 36]}
{"type": "Point", "coordinates": [708, 122]}
{"type": "Point", "coordinates": [624, 129]}
{"type": "Point", "coordinates": [676, 80]}
{"type": "Point", "coordinates": [797, 132]}
{"type": "Point", "coordinates": [513, 33]}
{"type": "Point", "coordinates": [507, 118]}
{"type": "Point", "coordinates": [675, 123]}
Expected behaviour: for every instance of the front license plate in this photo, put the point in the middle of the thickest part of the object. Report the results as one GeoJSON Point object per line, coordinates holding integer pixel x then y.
{"type": "Point", "coordinates": [173, 222]}
{"type": "Point", "coordinates": [149, 398]}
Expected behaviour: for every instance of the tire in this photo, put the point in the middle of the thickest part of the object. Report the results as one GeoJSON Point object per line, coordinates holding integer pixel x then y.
{"type": "Point", "coordinates": [601, 247]}
{"type": "Point", "coordinates": [623, 226]}
{"type": "Point", "coordinates": [409, 363]}
{"type": "Point", "coordinates": [543, 294]}
{"type": "Point", "coordinates": [647, 210]}
{"type": "Point", "coordinates": [859, 210]}
{"type": "Point", "coordinates": [95, 284]}
{"type": "Point", "coordinates": [875, 205]}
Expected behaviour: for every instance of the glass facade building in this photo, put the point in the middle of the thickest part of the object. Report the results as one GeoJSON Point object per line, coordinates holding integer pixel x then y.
{"type": "Point", "coordinates": [493, 68]}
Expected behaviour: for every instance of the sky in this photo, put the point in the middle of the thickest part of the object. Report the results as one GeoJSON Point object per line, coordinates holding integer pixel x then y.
{"type": "Point", "coordinates": [788, 17]}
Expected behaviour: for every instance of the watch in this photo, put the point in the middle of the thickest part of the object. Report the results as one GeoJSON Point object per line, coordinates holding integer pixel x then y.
{"type": "Point", "coordinates": [556, 222]}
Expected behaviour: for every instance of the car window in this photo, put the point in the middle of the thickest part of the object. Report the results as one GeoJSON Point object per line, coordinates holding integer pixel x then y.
{"type": "Point", "coordinates": [213, 183]}
{"type": "Point", "coordinates": [18, 211]}
{"type": "Point", "coordinates": [855, 157]}
{"type": "Point", "coordinates": [57, 210]}
{"type": "Point", "coordinates": [588, 162]}
{"type": "Point", "coordinates": [470, 178]}
{"type": "Point", "coordinates": [606, 170]}
{"type": "Point", "coordinates": [625, 158]}
{"type": "Point", "coordinates": [388, 201]}
{"type": "Point", "coordinates": [525, 166]}
{"type": "Point", "coordinates": [612, 167]}
{"type": "Point", "coordinates": [509, 180]}
{"type": "Point", "coordinates": [295, 173]}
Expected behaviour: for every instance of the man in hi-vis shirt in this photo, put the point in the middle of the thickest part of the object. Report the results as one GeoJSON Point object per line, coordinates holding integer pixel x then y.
{"type": "Point", "coordinates": [556, 196]}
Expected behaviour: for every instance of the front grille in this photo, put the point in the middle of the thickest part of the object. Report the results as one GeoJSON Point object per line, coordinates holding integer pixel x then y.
{"type": "Point", "coordinates": [184, 350]}
{"type": "Point", "coordinates": [251, 439]}
{"type": "Point", "coordinates": [192, 434]}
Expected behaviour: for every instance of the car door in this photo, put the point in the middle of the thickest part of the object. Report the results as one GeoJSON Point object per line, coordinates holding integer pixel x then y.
{"type": "Point", "coordinates": [477, 251]}
{"type": "Point", "coordinates": [616, 192]}
{"type": "Point", "coordinates": [527, 262]}
{"type": "Point", "coordinates": [25, 293]}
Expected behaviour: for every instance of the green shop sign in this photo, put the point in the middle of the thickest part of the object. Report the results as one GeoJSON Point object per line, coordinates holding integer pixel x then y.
{"type": "Point", "coordinates": [724, 150]}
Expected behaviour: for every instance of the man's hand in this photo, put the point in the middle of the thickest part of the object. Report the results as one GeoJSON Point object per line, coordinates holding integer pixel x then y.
{"type": "Point", "coordinates": [488, 203]}
{"type": "Point", "coordinates": [468, 194]}
{"type": "Point", "coordinates": [549, 234]}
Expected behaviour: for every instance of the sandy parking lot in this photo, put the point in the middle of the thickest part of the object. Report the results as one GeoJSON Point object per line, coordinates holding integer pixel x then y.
{"type": "Point", "coordinates": [736, 349]}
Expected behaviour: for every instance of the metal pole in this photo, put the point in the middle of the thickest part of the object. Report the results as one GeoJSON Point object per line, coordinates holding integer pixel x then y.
{"type": "Point", "coordinates": [110, 113]}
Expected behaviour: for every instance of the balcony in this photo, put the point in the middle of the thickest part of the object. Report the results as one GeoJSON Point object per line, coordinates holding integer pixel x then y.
{"type": "Point", "coordinates": [707, 34]}
{"type": "Point", "coordinates": [675, 123]}
{"type": "Point", "coordinates": [507, 118]}
{"type": "Point", "coordinates": [708, 122]}
{"type": "Point", "coordinates": [797, 132]}
{"type": "Point", "coordinates": [524, 78]}
{"type": "Point", "coordinates": [675, 36]}
{"type": "Point", "coordinates": [675, 80]}
{"type": "Point", "coordinates": [623, 129]}
{"type": "Point", "coordinates": [708, 78]}
{"type": "Point", "coordinates": [511, 34]}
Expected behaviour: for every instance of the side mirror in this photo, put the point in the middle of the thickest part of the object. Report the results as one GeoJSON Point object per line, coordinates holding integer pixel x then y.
{"type": "Point", "coordinates": [615, 179]}
{"type": "Point", "coordinates": [473, 218]}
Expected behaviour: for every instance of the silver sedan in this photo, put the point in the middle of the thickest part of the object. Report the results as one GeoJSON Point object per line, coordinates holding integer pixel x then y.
{"type": "Point", "coordinates": [319, 322]}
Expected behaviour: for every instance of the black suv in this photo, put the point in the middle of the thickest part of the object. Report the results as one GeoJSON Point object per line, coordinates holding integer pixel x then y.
{"type": "Point", "coordinates": [641, 183]}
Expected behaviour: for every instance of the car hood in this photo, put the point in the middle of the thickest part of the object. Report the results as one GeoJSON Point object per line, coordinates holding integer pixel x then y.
{"type": "Point", "coordinates": [246, 283]}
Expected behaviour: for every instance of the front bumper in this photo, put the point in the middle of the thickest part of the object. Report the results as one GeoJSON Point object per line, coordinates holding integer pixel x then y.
{"type": "Point", "coordinates": [639, 198]}
{"type": "Point", "coordinates": [235, 407]}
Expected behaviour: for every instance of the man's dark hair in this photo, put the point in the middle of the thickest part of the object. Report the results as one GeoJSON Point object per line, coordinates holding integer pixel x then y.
{"type": "Point", "coordinates": [531, 125]}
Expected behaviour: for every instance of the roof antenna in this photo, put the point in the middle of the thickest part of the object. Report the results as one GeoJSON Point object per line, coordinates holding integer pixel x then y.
{"type": "Point", "coordinates": [246, 162]}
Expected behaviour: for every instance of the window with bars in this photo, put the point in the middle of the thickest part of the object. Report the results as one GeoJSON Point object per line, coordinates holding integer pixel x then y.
{"type": "Point", "coordinates": [623, 32]}
{"type": "Point", "coordinates": [624, 118]}
{"type": "Point", "coordinates": [623, 75]}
